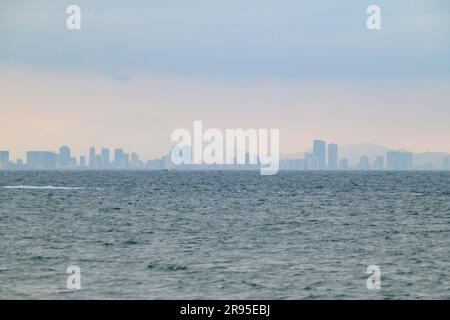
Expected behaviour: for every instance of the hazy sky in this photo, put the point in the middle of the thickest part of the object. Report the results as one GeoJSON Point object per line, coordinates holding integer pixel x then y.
{"type": "Point", "coordinates": [137, 70]}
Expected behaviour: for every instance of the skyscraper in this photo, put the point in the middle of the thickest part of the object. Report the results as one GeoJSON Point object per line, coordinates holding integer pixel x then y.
{"type": "Point", "coordinates": [92, 157]}
{"type": "Point", "coordinates": [118, 158]}
{"type": "Point", "coordinates": [64, 156]}
{"type": "Point", "coordinates": [125, 160]}
{"type": "Point", "coordinates": [446, 163]}
{"type": "Point", "coordinates": [98, 161]}
{"type": "Point", "coordinates": [310, 161]}
{"type": "Point", "coordinates": [319, 154]}
{"type": "Point", "coordinates": [135, 162]}
{"type": "Point", "coordinates": [379, 163]}
{"type": "Point", "coordinates": [105, 158]}
{"type": "Point", "coordinates": [4, 156]}
{"type": "Point", "coordinates": [82, 162]}
{"type": "Point", "coordinates": [332, 156]}
{"type": "Point", "coordinates": [398, 160]}
{"type": "Point", "coordinates": [4, 159]}
{"type": "Point", "coordinates": [343, 164]}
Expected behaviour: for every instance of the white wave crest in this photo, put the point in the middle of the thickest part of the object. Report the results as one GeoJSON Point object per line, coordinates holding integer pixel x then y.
{"type": "Point", "coordinates": [43, 187]}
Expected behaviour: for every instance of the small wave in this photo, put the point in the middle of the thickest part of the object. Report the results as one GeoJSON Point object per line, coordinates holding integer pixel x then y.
{"type": "Point", "coordinates": [43, 187]}
{"type": "Point", "coordinates": [167, 267]}
{"type": "Point", "coordinates": [130, 242]}
{"type": "Point", "coordinates": [39, 258]}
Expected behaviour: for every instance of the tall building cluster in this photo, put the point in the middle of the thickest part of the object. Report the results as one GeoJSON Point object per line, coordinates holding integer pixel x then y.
{"type": "Point", "coordinates": [321, 157]}
{"type": "Point", "coordinates": [325, 157]}
{"type": "Point", "coordinates": [104, 161]}
{"type": "Point", "coordinates": [4, 159]}
{"type": "Point", "coordinates": [63, 159]}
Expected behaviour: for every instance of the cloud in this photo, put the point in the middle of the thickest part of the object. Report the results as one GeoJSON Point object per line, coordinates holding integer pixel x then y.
{"type": "Point", "coordinates": [231, 37]}
{"type": "Point", "coordinates": [139, 69]}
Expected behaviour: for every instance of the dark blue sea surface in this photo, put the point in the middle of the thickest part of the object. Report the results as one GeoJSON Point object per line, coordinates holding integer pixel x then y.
{"type": "Point", "coordinates": [237, 235]}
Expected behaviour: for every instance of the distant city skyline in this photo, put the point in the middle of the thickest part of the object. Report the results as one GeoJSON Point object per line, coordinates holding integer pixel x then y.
{"type": "Point", "coordinates": [102, 148]}
{"type": "Point", "coordinates": [324, 156]}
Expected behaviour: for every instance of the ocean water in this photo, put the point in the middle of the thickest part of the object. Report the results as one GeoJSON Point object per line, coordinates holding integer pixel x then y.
{"type": "Point", "coordinates": [226, 235]}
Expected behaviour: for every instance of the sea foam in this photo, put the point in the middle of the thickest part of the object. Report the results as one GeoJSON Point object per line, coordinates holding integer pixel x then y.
{"type": "Point", "coordinates": [43, 187]}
